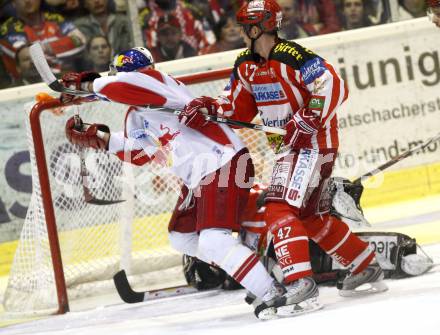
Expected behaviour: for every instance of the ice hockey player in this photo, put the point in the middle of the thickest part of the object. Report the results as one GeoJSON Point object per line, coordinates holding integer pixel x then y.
{"type": "Point", "coordinates": [213, 163]}
{"type": "Point", "coordinates": [398, 254]}
{"type": "Point", "coordinates": [433, 7]}
{"type": "Point", "coordinates": [290, 86]}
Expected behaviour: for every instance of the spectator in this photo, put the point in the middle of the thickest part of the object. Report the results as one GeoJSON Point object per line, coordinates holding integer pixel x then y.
{"type": "Point", "coordinates": [409, 9]}
{"type": "Point", "coordinates": [354, 14]}
{"type": "Point", "coordinates": [228, 35]}
{"type": "Point", "coordinates": [70, 9]}
{"type": "Point", "coordinates": [60, 39]}
{"type": "Point", "coordinates": [116, 27]}
{"type": "Point", "coordinates": [191, 29]}
{"type": "Point", "coordinates": [170, 44]}
{"type": "Point", "coordinates": [434, 11]}
{"type": "Point", "coordinates": [231, 5]}
{"type": "Point", "coordinates": [289, 26]}
{"type": "Point", "coordinates": [318, 16]}
{"type": "Point", "coordinates": [377, 12]}
{"type": "Point", "coordinates": [27, 72]}
{"type": "Point", "coordinates": [208, 12]}
{"type": "Point", "coordinates": [6, 10]}
{"type": "Point", "coordinates": [98, 54]}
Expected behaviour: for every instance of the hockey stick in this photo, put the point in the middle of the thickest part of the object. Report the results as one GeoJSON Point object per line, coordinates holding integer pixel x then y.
{"type": "Point", "coordinates": [38, 58]}
{"type": "Point", "coordinates": [130, 296]}
{"type": "Point", "coordinates": [46, 74]}
{"type": "Point", "coordinates": [396, 159]}
{"type": "Point", "coordinates": [355, 188]}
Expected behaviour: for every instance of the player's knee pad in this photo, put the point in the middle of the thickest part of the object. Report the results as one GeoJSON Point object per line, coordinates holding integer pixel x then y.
{"type": "Point", "coordinates": [290, 241]}
{"type": "Point", "coordinates": [186, 243]}
{"type": "Point", "coordinates": [337, 240]}
{"type": "Point", "coordinates": [214, 244]}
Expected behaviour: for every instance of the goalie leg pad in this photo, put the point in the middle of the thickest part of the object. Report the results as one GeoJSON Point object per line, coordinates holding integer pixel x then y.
{"type": "Point", "coordinates": [218, 246]}
{"type": "Point", "coordinates": [335, 237]}
{"type": "Point", "coordinates": [291, 243]}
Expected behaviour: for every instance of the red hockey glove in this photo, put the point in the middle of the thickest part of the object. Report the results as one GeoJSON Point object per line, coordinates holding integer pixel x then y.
{"type": "Point", "coordinates": [193, 115]}
{"type": "Point", "coordinates": [74, 80]}
{"type": "Point", "coordinates": [301, 128]}
{"type": "Point", "coordinates": [86, 135]}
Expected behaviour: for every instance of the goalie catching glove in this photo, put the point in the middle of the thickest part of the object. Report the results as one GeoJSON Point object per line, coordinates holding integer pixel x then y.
{"type": "Point", "coordinates": [78, 81]}
{"type": "Point", "coordinates": [194, 113]}
{"type": "Point", "coordinates": [87, 135]}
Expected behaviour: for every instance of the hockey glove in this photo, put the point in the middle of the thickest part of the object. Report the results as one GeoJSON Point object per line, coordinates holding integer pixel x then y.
{"type": "Point", "coordinates": [193, 114]}
{"type": "Point", "coordinates": [86, 135]}
{"type": "Point", "coordinates": [77, 81]}
{"type": "Point", "coordinates": [300, 129]}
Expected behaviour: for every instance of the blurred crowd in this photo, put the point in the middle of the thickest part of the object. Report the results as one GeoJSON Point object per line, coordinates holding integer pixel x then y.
{"type": "Point", "coordinates": [79, 35]}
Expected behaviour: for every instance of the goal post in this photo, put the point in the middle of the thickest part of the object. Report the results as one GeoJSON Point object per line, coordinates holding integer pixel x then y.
{"type": "Point", "coordinates": [49, 214]}
{"type": "Point", "coordinates": [68, 248]}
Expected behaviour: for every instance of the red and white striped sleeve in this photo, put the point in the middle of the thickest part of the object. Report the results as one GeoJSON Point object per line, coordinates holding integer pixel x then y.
{"type": "Point", "coordinates": [237, 101]}
{"type": "Point", "coordinates": [149, 87]}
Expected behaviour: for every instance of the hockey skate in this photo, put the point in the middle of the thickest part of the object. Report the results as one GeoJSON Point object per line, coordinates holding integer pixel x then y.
{"type": "Point", "coordinates": [301, 297]}
{"type": "Point", "coordinates": [367, 281]}
{"type": "Point", "coordinates": [298, 298]}
{"type": "Point", "coordinates": [266, 308]}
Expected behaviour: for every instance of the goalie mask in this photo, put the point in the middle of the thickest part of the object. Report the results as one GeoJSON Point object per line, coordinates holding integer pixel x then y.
{"type": "Point", "coordinates": [131, 60]}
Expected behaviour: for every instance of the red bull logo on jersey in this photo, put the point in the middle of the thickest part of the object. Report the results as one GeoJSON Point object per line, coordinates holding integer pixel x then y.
{"type": "Point", "coordinates": [167, 136]}
{"type": "Point", "coordinates": [268, 92]}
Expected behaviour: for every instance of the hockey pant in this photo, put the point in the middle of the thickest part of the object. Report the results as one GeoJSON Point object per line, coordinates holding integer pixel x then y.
{"type": "Point", "coordinates": [204, 229]}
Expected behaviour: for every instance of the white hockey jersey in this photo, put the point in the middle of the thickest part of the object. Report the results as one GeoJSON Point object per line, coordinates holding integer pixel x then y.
{"type": "Point", "coordinates": [153, 133]}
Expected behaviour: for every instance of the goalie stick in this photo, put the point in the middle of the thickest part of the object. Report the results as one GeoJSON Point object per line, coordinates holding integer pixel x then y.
{"type": "Point", "coordinates": [397, 159]}
{"type": "Point", "coordinates": [355, 188]}
{"type": "Point", "coordinates": [40, 62]}
{"type": "Point", "coordinates": [131, 296]}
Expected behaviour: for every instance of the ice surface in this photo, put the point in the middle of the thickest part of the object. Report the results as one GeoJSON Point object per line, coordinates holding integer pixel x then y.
{"type": "Point", "coordinates": [411, 306]}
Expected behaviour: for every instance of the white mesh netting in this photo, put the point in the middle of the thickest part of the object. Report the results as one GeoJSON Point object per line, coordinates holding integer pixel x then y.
{"type": "Point", "coordinates": [97, 241]}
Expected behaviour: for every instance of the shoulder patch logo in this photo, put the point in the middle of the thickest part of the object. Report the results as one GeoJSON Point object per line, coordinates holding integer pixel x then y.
{"type": "Point", "coordinates": [317, 102]}
{"type": "Point", "coordinates": [312, 70]}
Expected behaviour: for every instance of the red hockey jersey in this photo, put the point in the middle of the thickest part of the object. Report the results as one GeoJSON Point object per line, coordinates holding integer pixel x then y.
{"type": "Point", "coordinates": [275, 89]}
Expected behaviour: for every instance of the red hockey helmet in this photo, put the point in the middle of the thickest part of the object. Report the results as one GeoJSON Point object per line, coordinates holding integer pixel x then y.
{"type": "Point", "coordinates": [265, 14]}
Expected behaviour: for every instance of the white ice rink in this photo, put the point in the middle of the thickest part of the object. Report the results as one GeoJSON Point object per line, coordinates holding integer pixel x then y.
{"type": "Point", "coordinates": [411, 306]}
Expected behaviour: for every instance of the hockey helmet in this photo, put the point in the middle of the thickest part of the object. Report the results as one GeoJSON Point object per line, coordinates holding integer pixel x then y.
{"type": "Point", "coordinates": [265, 14]}
{"type": "Point", "coordinates": [131, 60]}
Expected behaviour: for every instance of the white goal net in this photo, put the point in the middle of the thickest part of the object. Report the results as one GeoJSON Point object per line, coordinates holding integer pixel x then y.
{"type": "Point", "coordinates": [98, 240]}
